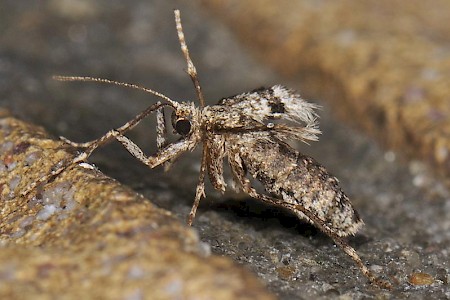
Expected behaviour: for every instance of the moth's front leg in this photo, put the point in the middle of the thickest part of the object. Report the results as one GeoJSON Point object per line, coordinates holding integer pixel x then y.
{"type": "Point", "coordinates": [169, 152]}
{"type": "Point", "coordinates": [75, 144]}
{"type": "Point", "coordinates": [161, 135]}
{"type": "Point", "coordinates": [161, 129]}
{"type": "Point", "coordinates": [92, 145]}
{"type": "Point", "coordinates": [172, 151]}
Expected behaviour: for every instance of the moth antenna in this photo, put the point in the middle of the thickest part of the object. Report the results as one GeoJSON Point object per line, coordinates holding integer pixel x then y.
{"type": "Point", "coordinates": [128, 85]}
{"type": "Point", "coordinates": [192, 71]}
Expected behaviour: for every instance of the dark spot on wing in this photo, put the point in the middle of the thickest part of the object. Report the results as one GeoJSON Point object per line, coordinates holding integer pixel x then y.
{"type": "Point", "coordinates": [277, 107]}
{"type": "Point", "coordinates": [356, 218]}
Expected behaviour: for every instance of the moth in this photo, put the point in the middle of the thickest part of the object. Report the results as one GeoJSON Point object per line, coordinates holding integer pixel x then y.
{"type": "Point", "coordinates": [251, 131]}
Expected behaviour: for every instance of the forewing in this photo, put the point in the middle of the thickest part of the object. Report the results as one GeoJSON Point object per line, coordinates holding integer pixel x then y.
{"type": "Point", "coordinates": [277, 103]}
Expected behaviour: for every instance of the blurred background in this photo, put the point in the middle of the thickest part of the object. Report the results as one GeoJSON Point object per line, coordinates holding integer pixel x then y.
{"type": "Point", "coordinates": [380, 70]}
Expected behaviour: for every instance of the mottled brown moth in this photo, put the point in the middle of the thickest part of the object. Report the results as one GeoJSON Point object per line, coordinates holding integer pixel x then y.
{"type": "Point", "coordinates": [251, 130]}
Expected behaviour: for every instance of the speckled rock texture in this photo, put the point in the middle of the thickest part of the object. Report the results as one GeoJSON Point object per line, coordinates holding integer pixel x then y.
{"type": "Point", "coordinates": [382, 65]}
{"type": "Point", "coordinates": [84, 236]}
{"type": "Point", "coordinates": [405, 207]}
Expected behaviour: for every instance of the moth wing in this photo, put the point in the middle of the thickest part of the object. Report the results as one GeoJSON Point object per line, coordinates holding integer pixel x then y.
{"type": "Point", "coordinates": [278, 103]}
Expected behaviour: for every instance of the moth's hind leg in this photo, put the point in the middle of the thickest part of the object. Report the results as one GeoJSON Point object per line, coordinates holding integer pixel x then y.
{"type": "Point", "coordinates": [240, 175]}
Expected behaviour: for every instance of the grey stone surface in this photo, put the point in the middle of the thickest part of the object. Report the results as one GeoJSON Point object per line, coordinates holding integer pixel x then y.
{"type": "Point", "coordinates": [405, 208]}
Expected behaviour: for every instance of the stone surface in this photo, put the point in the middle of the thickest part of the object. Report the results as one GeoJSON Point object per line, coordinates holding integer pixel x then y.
{"type": "Point", "coordinates": [85, 236]}
{"type": "Point", "coordinates": [404, 206]}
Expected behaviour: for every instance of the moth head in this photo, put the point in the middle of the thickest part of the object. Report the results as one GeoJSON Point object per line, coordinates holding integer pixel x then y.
{"type": "Point", "coordinates": [183, 119]}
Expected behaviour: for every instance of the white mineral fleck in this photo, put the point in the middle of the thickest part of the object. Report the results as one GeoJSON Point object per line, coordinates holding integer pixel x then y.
{"type": "Point", "coordinates": [32, 157]}
{"type": "Point", "coordinates": [46, 212]}
{"type": "Point", "coordinates": [14, 182]}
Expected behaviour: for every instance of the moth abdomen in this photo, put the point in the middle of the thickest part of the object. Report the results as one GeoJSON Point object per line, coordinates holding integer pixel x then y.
{"type": "Point", "coordinates": [299, 180]}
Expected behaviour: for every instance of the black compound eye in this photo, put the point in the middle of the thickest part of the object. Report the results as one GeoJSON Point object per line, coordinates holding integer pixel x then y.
{"type": "Point", "coordinates": [183, 126]}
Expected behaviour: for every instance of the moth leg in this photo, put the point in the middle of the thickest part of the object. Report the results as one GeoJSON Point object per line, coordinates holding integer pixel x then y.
{"type": "Point", "coordinates": [240, 174]}
{"type": "Point", "coordinates": [171, 151]}
{"type": "Point", "coordinates": [214, 161]}
{"type": "Point", "coordinates": [161, 131]}
{"type": "Point", "coordinates": [89, 147]}
{"type": "Point", "coordinates": [200, 190]}
{"type": "Point", "coordinates": [161, 134]}
{"type": "Point", "coordinates": [75, 144]}
{"type": "Point", "coordinates": [212, 158]}
{"type": "Point", "coordinates": [122, 129]}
